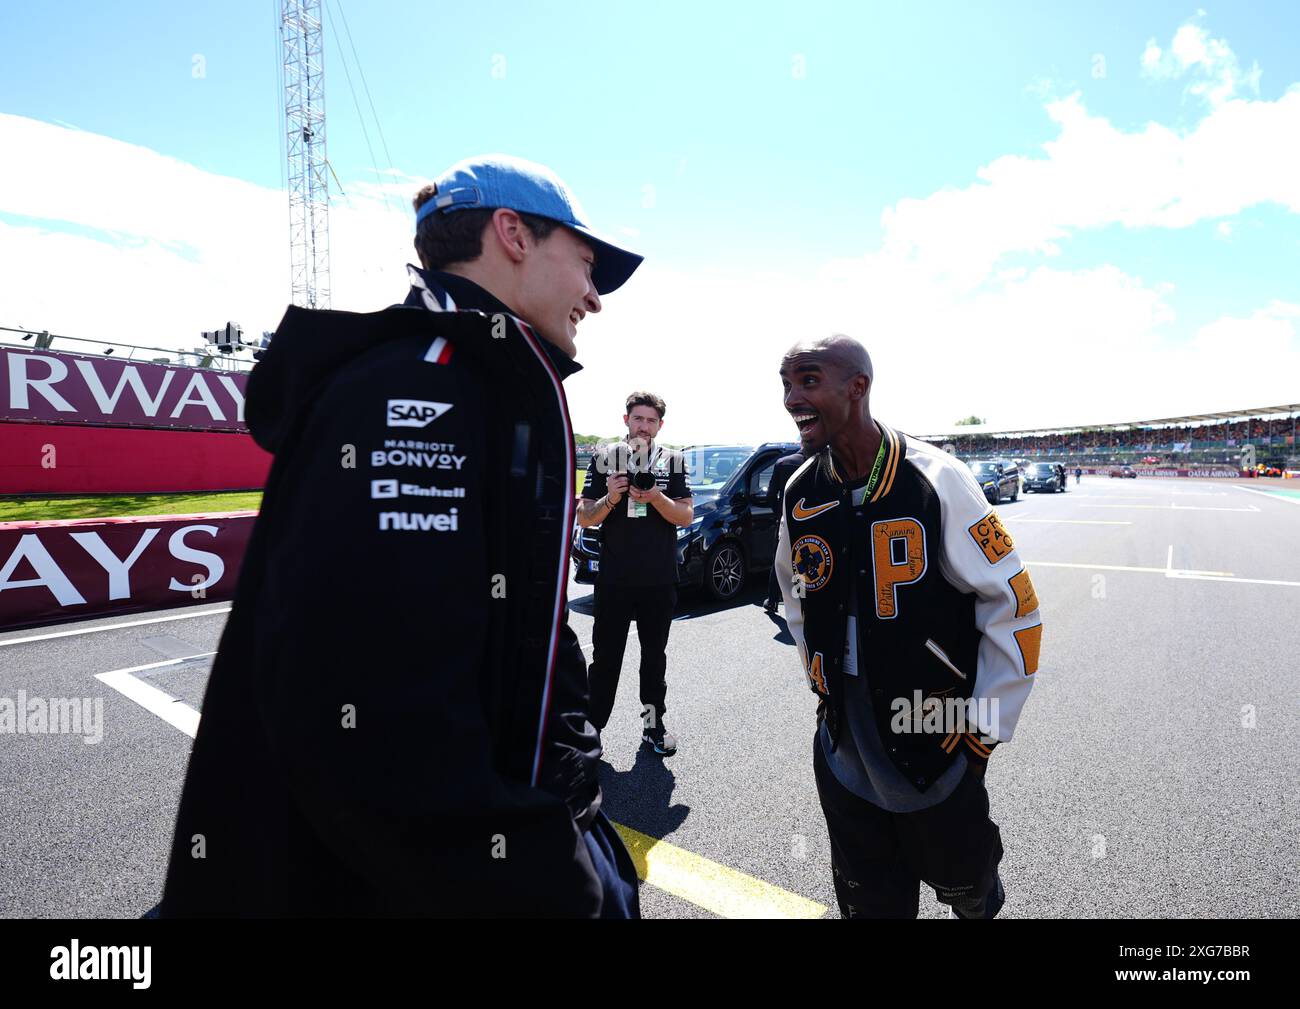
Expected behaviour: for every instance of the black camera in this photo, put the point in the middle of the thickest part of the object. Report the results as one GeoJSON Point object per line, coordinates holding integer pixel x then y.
{"type": "Point", "coordinates": [632, 464]}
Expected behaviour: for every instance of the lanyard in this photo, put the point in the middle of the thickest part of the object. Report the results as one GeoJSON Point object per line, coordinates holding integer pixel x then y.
{"type": "Point", "coordinates": [861, 494]}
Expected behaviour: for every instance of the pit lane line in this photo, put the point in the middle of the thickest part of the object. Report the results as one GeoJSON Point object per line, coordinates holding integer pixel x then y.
{"type": "Point", "coordinates": [710, 885]}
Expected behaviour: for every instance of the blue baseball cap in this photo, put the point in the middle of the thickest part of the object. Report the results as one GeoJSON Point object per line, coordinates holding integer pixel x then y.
{"type": "Point", "coordinates": [491, 181]}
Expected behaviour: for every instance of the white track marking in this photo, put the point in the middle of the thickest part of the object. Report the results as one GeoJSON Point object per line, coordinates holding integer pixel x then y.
{"type": "Point", "coordinates": [1275, 497]}
{"type": "Point", "coordinates": [157, 702]}
{"type": "Point", "coordinates": [112, 627]}
{"type": "Point", "coordinates": [1077, 522]}
{"type": "Point", "coordinates": [1169, 571]}
{"type": "Point", "coordinates": [1199, 576]}
{"type": "Point", "coordinates": [1126, 567]}
{"type": "Point", "coordinates": [1175, 507]}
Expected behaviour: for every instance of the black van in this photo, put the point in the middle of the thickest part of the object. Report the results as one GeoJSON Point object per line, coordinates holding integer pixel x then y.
{"type": "Point", "coordinates": [998, 478]}
{"type": "Point", "coordinates": [1043, 476]}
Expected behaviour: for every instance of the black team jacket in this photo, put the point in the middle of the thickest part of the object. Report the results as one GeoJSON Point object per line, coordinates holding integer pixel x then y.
{"type": "Point", "coordinates": [396, 720]}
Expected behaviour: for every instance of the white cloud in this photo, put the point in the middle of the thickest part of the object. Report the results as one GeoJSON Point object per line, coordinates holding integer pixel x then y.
{"type": "Point", "coordinates": [160, 249]}
{"type": "Point", "coordinates": [1264, 341]}
{"type": "Point", "coordinates": [1093, 175]}
{"type": "Point", "coordinates": [1213, 66]}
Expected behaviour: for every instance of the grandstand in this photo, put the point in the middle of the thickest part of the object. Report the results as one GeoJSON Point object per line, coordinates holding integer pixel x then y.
{"type": "Point", "coordinates": [1238, 438]}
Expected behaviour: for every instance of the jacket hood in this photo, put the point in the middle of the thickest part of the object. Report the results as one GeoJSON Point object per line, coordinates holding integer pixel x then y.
{"type": "Point", "coordinates": [310, 346]}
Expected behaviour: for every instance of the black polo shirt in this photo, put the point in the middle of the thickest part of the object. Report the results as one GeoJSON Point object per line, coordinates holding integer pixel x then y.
{"type": "Point", "coordinates": [640, 551]}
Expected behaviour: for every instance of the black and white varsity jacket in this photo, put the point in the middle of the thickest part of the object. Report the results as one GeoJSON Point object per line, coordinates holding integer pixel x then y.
{"type": "Point", "coordinates": [945, 608]}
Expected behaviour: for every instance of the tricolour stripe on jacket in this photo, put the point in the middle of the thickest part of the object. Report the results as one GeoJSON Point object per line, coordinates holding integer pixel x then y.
{"type": "Point", "coordinates": [562, 571]}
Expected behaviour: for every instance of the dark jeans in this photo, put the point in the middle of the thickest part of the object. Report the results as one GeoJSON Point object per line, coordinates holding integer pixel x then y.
{"type": "Point", "coordinates": [879, 858]}
{"type": "Point", "coordinates": [616, 606]}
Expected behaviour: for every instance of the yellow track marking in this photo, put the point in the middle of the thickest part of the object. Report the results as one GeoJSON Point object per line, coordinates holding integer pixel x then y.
{"type": "Point", "coordinates": [711, 885]}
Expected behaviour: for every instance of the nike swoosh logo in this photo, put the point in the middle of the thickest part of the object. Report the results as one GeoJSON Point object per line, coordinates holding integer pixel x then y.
{"type": "Point", "coordinates": [801, 513]}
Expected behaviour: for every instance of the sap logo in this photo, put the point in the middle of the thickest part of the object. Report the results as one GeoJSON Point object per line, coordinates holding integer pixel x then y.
{"type": "Point", "coordinates": [414, 412]}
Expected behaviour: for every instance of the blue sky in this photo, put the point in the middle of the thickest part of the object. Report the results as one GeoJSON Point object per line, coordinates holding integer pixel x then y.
{"type": "Point", "coordinates": [691, 129]}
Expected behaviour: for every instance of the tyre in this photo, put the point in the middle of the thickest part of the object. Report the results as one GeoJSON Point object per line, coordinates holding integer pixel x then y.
{"type": "Point", "coordinates": [724, 572]}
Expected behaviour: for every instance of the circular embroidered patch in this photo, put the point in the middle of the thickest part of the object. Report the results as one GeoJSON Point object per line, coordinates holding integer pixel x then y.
{"type": "Point", "coordinates": [813, 562]}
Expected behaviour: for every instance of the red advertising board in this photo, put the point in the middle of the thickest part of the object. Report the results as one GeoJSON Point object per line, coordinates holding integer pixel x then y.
{"type": "Point", "coordinates": [51, 387]}
{"type": "Point", "coordinates": [62, 459]}
{"type": "Point", "coordinates": [56, 571]}
{"type": "Point", "coordinates": [1192, 471]}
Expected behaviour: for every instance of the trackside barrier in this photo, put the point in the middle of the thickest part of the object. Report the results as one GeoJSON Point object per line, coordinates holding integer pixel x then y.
{"type": "Point", "coordinates": [52, 572]}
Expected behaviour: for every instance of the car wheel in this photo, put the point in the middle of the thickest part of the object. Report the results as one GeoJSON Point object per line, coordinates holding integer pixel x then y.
{"type": "Point", "coordinates": [725, 571]}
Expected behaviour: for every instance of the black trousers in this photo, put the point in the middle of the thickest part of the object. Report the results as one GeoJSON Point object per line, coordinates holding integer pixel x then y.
{"type": "Point", "coordinates": [879, 859]}
{"type": "Point", "coordinates": [773, 587]}
{"type": "Point", "coordinates": [616, 606]}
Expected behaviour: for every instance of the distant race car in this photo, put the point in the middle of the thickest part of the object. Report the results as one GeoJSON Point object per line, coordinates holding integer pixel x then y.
{"type": "Point", "coordinates": [1124, 471]}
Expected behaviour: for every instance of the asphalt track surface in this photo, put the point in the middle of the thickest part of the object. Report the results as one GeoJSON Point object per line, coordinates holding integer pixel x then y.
{"type": "Point", "coordinates": [1153, 773]}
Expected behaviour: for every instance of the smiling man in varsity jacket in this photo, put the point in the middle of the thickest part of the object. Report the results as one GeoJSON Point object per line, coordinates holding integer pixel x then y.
{"type": "Point", "coordinates": [918, 630]}
{"type": "Point", "coordinates": [397, 721]}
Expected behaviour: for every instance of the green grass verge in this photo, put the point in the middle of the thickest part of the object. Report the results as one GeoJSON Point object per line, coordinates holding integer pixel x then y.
{"type": "Point", "coordinates": [117, 505]}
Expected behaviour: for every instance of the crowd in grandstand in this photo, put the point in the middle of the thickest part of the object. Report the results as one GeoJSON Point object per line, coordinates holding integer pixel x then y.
{"type": "Point", "coordinates": [1205, 443]}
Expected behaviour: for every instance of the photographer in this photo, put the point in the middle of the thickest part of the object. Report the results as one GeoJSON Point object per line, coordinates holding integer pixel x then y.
{"type": "Point", "coordinates": [639, 495]}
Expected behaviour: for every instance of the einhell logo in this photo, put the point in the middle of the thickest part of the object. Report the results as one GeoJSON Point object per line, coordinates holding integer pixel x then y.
{"type": "Point", "coordinates": [414, 412]}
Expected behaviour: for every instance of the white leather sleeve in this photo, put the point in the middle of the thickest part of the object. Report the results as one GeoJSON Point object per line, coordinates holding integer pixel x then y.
{"type": "Point", "coordinates": [978, 556]}
{"type": "Point", "coordinates": [785, 578]}
{"type": "Point", "coordinates": [784, 565]}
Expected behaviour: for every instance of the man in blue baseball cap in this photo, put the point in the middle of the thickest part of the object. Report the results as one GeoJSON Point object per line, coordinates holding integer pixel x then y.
{"type": "Point", "coordinates": [496, 181]}
{"type": "Point", "coordinates": [397, 720]}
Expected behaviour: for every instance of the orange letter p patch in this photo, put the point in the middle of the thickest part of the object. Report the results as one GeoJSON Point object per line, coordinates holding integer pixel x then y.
{"type": "Point", "coordinates": [897, 558]}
